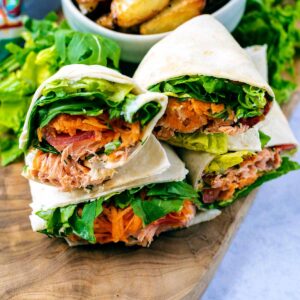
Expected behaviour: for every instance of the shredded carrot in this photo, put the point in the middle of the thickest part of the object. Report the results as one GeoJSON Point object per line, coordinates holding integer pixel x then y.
{"type": "Point", "coordinates": [119, 225]}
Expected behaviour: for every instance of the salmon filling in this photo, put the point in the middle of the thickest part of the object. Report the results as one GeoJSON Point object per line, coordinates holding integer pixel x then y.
{"type": "Point", "coordinates": [193, 115]}
{"type": "Point", "coordinates": [122, 225]}
{"type": "Point", "coordinates": [221, 187]}
{"type": "Point", "coordinates": [81, 141]}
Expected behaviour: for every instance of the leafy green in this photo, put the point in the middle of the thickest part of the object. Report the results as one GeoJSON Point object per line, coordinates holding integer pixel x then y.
{"type": "Point", "coordinates": [149, 211]}
{"type": "Point", "coordinates": [144, 115]}
{"type": "Point", "coordinates": [286, 166]}
{"type": "Point", "coordinates": [246, 101]}
{"type": "Point", "coordinates": [9, 147]}
{"type": "Point", "coordinates": [63, 221]}
{"type": "Point", "coordinates": [161, 199]}
{"type": "Point", "coordinates": [264, 138]}
{"type": "Point", "coordinates": [216, 143]}
{"type": "Point", "coordinates": [177, 189]}
{"type": "Point", "coordinates": [223, 162]}
{"type": "Point", "coordinates": [80, 107]}
{"type": "Point", "coordinates": [112, 92]}
{"type": "Point", "coordinates": [273, 22]}
{"type": "Point", "coordinates": [48, 46]}
{"type": "Point", "coordinates": [110, 147]}
{"type": "Point", "coordinates": [83, 225]}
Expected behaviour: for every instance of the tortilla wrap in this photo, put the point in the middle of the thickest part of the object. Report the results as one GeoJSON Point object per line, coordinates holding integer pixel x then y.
{"type": "Point", "coordinates": [164, 166]}
{"type": "Point", "coordinates": [275, 126]}
{"type": "Point", "coordinates": [74, 73]}
{"type": "Point", "coordinates": [201, 46]}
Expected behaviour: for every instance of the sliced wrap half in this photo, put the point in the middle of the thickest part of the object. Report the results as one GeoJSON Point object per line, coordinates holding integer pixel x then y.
{"type": "Point", "coordinates": [221, 179]}
{"type": "Point", "coordinates": [213, 88]}
{"type": "Point", "coordinates": [133, 209]}
{"type": "Point", "coordinates": [83, 123]}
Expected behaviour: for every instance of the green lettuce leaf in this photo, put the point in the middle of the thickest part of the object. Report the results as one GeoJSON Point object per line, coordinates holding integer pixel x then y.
{"type": "Point", "coordinates": [273, 22]}
{"type": "Point", "coordinates": [64, 88]}
{"type": "Point", "coordinates": [9, 148]}
{"type": "Point", "coordinates": [223, 162]}
{"type": "Point", "coordinates": [245, 100]}
{"type": "Point", "coordinates": [216, 143]}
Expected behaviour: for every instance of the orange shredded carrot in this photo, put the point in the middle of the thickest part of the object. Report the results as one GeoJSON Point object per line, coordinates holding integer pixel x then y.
{"type": "Point", "coordinates": [118, 225]}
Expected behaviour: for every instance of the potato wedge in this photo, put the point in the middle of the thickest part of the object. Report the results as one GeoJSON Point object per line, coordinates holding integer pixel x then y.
{"type": "Point", "coordinates": [106, 21]}
{"type": "Point", "coordinates": [178, 12]}
{"type": "Point", "coordinates": [127, 13]}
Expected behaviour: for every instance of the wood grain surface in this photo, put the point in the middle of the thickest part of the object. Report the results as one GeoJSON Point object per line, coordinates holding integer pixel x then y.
{"type": "Point", "coordinates": [178, 265]}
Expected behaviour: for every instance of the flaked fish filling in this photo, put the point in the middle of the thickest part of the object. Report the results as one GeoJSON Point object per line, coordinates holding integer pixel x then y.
{"type": "Point", "coordinates": [84, 143]}
{"type": "Point", "coordinates": [221, 187]}
{"type": "Point", "coordinates": [193, 115]}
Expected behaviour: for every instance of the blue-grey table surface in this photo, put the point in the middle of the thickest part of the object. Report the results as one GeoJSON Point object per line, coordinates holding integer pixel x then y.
{"type": "Point", "coordinates": [263, 260]}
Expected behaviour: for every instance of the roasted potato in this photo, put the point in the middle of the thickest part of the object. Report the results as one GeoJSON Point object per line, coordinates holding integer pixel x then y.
{"type": "Point", "coordinates": [127, 13]}
{"type": "Point", "coordinates": [87, 6]}
{"type": "Point", "coordinates": [178, 12]}
{"type": "Point", "coordinates": [106, 21]}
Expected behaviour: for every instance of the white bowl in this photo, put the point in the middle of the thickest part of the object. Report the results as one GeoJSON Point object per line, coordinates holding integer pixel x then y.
{"type": "Point", "coordinates": [135, 46]}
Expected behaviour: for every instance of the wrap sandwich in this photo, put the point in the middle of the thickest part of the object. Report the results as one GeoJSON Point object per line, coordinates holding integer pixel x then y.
{"type": "Point", "coordinates": [213, 88]}
{"type": "Point", "coordinates": [221, 179]}
{"type": "Point", "coordinates": [134, 210]}
{"type": "Point", "coordinates": [85, 122]}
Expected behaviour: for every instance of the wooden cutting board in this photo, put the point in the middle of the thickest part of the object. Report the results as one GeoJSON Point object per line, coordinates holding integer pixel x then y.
{"type": "Point", "coordinates": [178, 265]}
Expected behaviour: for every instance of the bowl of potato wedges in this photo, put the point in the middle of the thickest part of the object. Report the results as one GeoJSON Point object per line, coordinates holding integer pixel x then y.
{"type": "Point", "coordinates": [136, 25]}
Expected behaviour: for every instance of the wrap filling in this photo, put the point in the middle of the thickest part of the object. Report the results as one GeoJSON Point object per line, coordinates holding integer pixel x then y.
{"type": "Point", "coordinates": [201, 106]}
{"type": "Point", "coordinates": [234, 175]}
{"type": "Point", "coordinates": [77, 127]}
{"type": "Point", "coordinates": [134, 216]}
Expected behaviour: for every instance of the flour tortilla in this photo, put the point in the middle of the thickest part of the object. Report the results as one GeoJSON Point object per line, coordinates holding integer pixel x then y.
{"type": "Point", "coordinates": [148, 164]}
{"type": "Point", "coordinates": [76, 72]}
{"type": "Point", "coordinates": [201, 46]}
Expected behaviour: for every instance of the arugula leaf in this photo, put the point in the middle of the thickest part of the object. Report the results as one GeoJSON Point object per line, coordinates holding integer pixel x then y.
{"type": "Point", "coordinates": [47, 46]}
{"type": "Point", "coordinates": [84, 226]}
{"type": "Point", "coordinates": [273, 22]}
{"type": "Point", "coordinates": [63, 221]}
{"type": "Point", "coordinates": [80, 107]}
{"type": "Point", "coordinates": [264, 138]}
{"type": "Point", "coordinates": [247, 101]}
{"type": "Point", "coordinates": [178, 189]}
{"type": "Point", "coordinates": [152, 210]}
{"type": "Point", "coordinates": [163, 199]}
